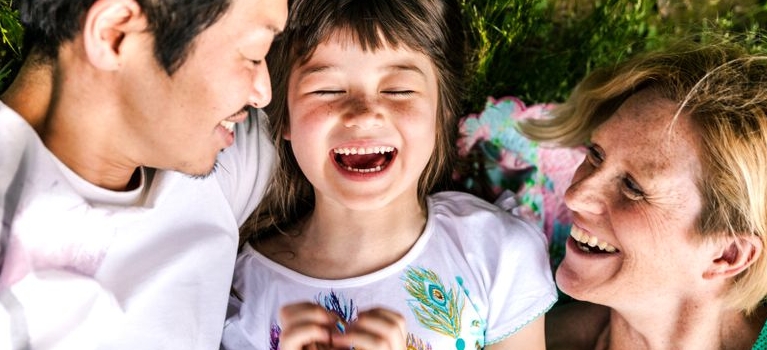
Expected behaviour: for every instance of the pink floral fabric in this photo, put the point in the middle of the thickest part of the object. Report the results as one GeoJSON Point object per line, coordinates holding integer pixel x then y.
{"type": "Point", "coordinates": [495, 158]}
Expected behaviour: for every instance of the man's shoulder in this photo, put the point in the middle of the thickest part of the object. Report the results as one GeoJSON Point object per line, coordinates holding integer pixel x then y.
{"type": "Point", "coordinates": [19, 146]}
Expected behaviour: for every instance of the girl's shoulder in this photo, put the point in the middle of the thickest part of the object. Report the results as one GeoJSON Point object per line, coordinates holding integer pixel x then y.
{"type": "Point", "coordinates": [470, 218]}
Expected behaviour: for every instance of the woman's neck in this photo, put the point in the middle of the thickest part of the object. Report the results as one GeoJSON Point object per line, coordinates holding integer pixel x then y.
{"type": "Point", "coordinates": [694, 326]}
{"type": "Point", "coordinates": [333, 236]}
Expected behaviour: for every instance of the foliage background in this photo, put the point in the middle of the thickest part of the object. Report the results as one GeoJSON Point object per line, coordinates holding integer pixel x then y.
{"type": "Point", "coordinates": [538, 49]}
{"type": "Point", "coordinates": [10, 56]}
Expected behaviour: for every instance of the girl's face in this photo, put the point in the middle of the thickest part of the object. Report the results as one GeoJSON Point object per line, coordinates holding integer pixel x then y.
{"type": "Point", "coordinates": [363, 123]}
{"type": "Point", "coordinates": [635, 198]}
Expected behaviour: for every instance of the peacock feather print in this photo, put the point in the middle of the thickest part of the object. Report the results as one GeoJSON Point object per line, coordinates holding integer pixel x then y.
{"type": "Point", "coordinates": [436, 307]}
{"type": "Point", "coordinates": [274, 337]}
{"type": "Point", "coordinates": [332, 302]}
{"type": "Point", "coordinates": [415, 343]}
{"type": "Point", "coordinates": [338, 305]}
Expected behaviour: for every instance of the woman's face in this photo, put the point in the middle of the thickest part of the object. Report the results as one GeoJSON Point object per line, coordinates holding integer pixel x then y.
{"type": "Point", "coordinates": [635, 202]}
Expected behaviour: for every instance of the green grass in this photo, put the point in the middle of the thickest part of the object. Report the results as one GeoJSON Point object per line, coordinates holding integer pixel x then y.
{"type": "Point", "coordinates": [538, 50]}
{"type": "Point", "coordinates": [11, 30]}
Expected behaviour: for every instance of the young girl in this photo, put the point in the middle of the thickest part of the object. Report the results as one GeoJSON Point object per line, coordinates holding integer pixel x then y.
{"type": "Point", "coordinates": [349, 248]}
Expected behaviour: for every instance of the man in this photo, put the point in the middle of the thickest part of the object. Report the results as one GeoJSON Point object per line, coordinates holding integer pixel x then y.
{"type": "Point", "coordinates": [125, 175]}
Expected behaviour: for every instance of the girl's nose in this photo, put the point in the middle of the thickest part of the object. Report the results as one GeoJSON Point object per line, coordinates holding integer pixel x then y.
{"type": "Point", "coordinates": [363, 113]}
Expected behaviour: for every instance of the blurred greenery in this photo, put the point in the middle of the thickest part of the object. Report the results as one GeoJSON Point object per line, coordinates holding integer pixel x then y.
{"type": "Point", "coordinates": [538, 50]}
{"type": "Point", "coordinates": [10, 54]}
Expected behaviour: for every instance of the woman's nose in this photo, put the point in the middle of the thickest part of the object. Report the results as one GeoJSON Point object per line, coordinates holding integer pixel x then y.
{"type": "Point", "coordinates": [585, 193]}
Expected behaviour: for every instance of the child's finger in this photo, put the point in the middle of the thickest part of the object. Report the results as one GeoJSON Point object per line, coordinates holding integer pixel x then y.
{"type": "Point", "coordinates": [384, 319]}
{"type": "Point", "coordinates": [304, 336]}
{"type": "Point", "coordinates": [306, 312]}
{"type": "Point", "coordinates": [304, 326]}
{"type": "Point", "coordinates": [374, 329]}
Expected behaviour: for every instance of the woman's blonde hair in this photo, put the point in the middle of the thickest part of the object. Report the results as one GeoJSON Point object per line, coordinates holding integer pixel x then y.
{"type": "Point", "coordinates": [723, 90]}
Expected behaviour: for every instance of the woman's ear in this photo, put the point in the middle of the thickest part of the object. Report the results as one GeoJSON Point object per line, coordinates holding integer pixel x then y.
{"type": "Point", "coordinates": [735, 254]}
{"type": "Point", "coordinates": [107, 23]}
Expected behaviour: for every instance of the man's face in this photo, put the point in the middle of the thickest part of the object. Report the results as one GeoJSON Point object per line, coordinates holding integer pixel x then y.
{"type": "Point", "coordinates": [181, 122]}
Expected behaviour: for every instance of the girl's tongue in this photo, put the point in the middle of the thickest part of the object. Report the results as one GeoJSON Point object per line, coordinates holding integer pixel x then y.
{"type": "Point", "coordinates": [361, 161]}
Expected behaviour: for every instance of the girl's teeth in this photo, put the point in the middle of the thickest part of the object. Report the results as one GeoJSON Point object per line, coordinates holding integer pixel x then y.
{"type": "Point", "coordinates": [363, 150]}
{"type": "Point", "coordinates": [371, 170]}
{"type": "Point", "coordinates": [592, 241]}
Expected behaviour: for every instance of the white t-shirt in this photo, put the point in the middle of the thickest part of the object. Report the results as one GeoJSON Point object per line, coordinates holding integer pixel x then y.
{"type": "Point", "coordinates": [488, 266]}
{"type": "Point", "coordinates": [151, 268]}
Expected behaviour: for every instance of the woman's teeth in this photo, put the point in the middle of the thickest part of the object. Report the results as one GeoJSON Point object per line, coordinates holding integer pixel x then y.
{"type": "Point", "coordinates": [590, 241]}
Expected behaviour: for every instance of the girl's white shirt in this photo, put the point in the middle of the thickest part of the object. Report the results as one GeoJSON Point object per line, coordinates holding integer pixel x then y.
{"type": "Point", "coordinates": [476, 275]}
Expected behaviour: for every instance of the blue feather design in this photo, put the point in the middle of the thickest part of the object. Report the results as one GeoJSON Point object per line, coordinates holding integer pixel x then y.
{"type": "Point", "coordinates": [435, 306]}
{"type": "Point", "coordinates": [338, 305]}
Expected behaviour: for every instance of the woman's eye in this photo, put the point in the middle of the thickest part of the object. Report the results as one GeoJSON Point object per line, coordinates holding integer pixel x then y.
{"type": "Point", "coordinates": [632, 190]}
{"type": "Point", "coordinates": [593, 156]}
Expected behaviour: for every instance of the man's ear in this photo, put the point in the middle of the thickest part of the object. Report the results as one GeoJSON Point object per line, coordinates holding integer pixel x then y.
{"type": "Point", "coordinates": [735, 254]}
{"type": "Point", "coordinates": [107, 23]}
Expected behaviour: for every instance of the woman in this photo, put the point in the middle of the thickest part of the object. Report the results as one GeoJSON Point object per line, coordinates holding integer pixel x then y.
{"type": "Point", "coordinates": [669, 206]}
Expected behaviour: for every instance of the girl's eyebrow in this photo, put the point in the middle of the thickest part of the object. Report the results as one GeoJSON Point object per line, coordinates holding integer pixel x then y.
{"type": "Point", "coordinates": [312, 69]}
{"type": "Point", "coordinates": [304, 71]}
{"type": "Point", "coordinates": [308, 70]}
{"type": "Point", "coordinates": [407, 67]}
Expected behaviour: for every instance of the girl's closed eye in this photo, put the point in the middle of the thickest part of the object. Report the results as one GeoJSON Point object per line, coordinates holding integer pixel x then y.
{"type": "Point", "coordinates": [328, 92]}
{"type": "Point", "coordinates": [400, 92]}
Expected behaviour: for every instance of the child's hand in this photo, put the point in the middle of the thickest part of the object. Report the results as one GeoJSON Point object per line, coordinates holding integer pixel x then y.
{"type": "Point", "coordinates": [308, 326]}
{"type": "Point", "coordinates": [305, 326]}
{"type": "Point", "coordinates": [376, 329]}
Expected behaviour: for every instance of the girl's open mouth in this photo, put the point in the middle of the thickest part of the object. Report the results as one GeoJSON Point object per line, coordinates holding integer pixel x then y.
{"type": "Point", "coordinates": [364, 159]}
